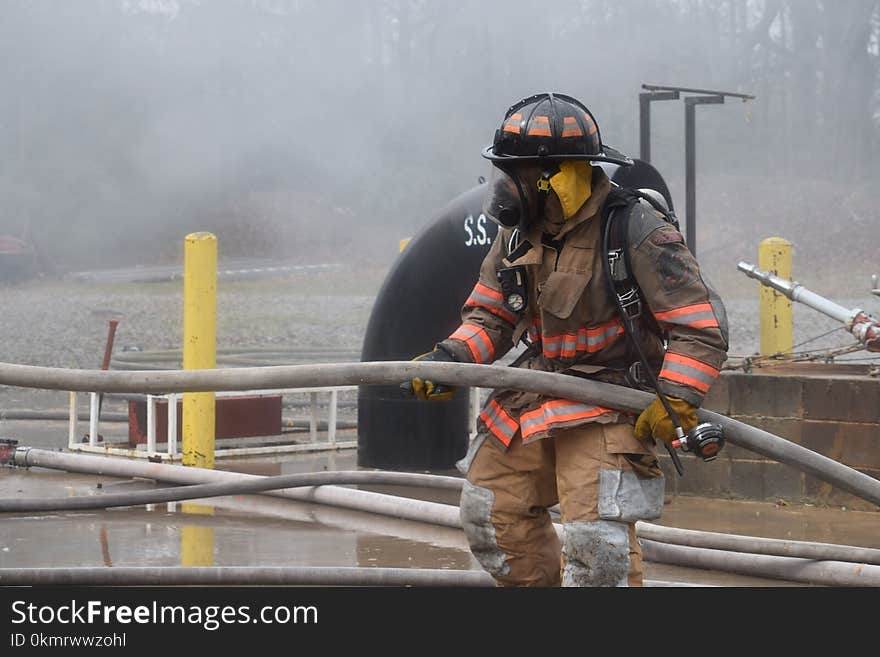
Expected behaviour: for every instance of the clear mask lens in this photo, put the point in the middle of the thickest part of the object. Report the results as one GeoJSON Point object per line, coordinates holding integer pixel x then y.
{"type": "Point", "coordinates": [503, 203]}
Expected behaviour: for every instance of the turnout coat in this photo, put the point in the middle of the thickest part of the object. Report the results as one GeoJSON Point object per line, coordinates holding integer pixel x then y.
{"type": "Point", "coordinates": [572, 321]}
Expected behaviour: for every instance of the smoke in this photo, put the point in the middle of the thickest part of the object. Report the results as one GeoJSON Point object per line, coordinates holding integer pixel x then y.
{"type": "Point", "coordinates": [313, 129]}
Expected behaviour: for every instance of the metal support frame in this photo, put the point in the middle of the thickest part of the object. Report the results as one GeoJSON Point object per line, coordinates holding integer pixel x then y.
{"type": "Point", "coordinates": [707, 97]}
{"type": "Point", "coordinates": [690, 164]}
{"type": "Point", "coordinates": [645, 100]}
{"type": "Point", "coordinates": [172, 452]}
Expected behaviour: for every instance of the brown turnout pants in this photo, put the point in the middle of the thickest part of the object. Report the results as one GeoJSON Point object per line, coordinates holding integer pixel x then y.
{"type": "Point", "coordinates": [603, 478]}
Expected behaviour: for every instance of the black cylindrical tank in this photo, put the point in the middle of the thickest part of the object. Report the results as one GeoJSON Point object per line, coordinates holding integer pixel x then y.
{"type": "Point", "coordinates": [419, 305]}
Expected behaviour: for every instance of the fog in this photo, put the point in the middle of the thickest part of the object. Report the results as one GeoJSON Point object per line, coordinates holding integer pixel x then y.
{"type": "Point", "coordinates": [327, 130]}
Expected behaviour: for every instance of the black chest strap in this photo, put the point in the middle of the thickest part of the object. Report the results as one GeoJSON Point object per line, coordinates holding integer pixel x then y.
{"type": "Point", "coordinates": [622, 285]}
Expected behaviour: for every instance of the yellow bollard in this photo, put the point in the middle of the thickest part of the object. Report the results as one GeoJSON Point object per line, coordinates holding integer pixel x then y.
{"type": "Point", "coordinates": [777, 326]}
{"type": "Point", "coordinates": [196, 542]}
{"type": "Point", "coordinates": [199, 345]}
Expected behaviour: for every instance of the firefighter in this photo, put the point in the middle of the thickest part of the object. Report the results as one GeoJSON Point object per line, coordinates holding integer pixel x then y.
{"type": "Point", "coordinates": [543, 282]}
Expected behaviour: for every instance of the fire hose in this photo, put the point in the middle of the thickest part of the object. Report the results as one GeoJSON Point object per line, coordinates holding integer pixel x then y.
{"type": "Point", "coordinates": [243, 576]}
{"type": "Point", "coordinates": [864, 327]}
{"type": "Point", "coordinates": [391, 373]}
{"type": "Point", "coordinates": [25, 456]}
{"type": "Point", "coordinates": [814, 563]}
{"type": "Point", "coordinates": [453, 374]}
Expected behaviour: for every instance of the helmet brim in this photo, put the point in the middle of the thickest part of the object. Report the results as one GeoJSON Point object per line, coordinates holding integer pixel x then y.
{"type": "Point", "coordinates": [608, 154]}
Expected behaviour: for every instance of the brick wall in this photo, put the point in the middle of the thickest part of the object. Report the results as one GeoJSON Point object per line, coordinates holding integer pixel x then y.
{"type": "Point", "coordinates": [831, 409]}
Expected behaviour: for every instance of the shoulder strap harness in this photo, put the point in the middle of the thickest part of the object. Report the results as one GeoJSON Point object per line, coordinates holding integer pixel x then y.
{"type": "Point", "coordinates": [623, 286]}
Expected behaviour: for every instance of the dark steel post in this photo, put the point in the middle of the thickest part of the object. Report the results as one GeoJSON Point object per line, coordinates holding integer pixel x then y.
{"type": "Point", "coordinates": [690, 155]}
{"type": "Point", "coordinates": [645, 100]}
{"type": "Point", "coordinates": [690, 166]}
{"type": "Point", "coordinates": [645, 127]}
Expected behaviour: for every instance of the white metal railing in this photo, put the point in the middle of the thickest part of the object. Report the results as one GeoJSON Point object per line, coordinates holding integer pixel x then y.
{"type": "Point", "coordinates": [172, 451]}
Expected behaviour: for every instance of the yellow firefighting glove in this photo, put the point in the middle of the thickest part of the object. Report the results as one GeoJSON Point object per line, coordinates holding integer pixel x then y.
{"type": "Point", "coordinates": [655, 421]}
{"type": "Point", "coordinates": [428, 390]}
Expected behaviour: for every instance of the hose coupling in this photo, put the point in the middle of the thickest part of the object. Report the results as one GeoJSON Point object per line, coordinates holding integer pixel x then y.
{"type": "Point", "coordinates": [7, 450]}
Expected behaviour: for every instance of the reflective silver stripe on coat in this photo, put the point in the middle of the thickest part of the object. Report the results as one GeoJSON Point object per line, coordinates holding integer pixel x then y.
{"type": "Point", "coordinates": [475, 511]}
{"type": "Point", "coordinates": [569, 344]}
{"type": "Point", "coordinates": [492, 304]}
{"type": "Point", "coordinates": [626, 497]}
{"type": "Point", "coordinates": [470, 335]}
{"type": "Point", "coordinates": [552, 344]}
{"type": "Point", "coordinates": [692, 372]}
{"type": "Point", "coordinates": [594, 341]}
{"type": "Point", "coordinates": [552, 414]}
{"type": "Point", "coordinates": [595, 553]}
{"type": "Point", "coordinates": [494, 421]}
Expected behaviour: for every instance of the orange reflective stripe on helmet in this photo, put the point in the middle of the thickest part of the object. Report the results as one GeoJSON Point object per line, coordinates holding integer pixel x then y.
{"type": "Point", "coordinates": [539, 127]}
{"type": "Point", "coordinates": [592, 128]}
{"type": "Point", "coordinates": [557, 412]}
{"type": "Point", "coordinates": [477, 341]}
{"type": "Point", "coordinates": [570, 127]}
{"type": "Point", "coordinates": [499, 422]}
{"type": "Point", "coordinates": [512, 124]}
{"type": "Point", "coordinates": [485, 297]}
{"type": "Point", "coordinates": [698, 315]}
{"type": "Point", "coordinates": [689, 371]}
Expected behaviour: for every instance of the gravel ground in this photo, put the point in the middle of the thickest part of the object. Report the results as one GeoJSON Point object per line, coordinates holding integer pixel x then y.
{"type": "Point", "coordinates": [64, 323]}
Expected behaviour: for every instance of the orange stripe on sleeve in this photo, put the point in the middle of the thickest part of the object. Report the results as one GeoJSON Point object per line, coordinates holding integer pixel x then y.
{"type": "Point", "coordinates": [691, 362]}
{"type": "Point", "coordinates": [688, 371]}
{"type": "Point", "coordinates": [678, 377]}
{"type": "Point", "coordinates": [477, 341]}
{"type": "Point", "coordinates": [704, 323]}
{"type": "Point", "coordinates": [684, 310]}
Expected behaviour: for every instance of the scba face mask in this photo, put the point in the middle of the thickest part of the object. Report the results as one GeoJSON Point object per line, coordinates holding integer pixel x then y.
{"type": "Point", "coordinates": [516, 196]}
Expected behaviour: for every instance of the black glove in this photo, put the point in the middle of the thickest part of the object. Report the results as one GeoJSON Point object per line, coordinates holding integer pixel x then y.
{"type": "Point", "coordinates": [428, 390]}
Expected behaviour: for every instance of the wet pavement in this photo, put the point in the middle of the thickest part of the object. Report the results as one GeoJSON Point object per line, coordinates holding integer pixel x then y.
{"type": "Point", "coordinates": [257, 530]}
